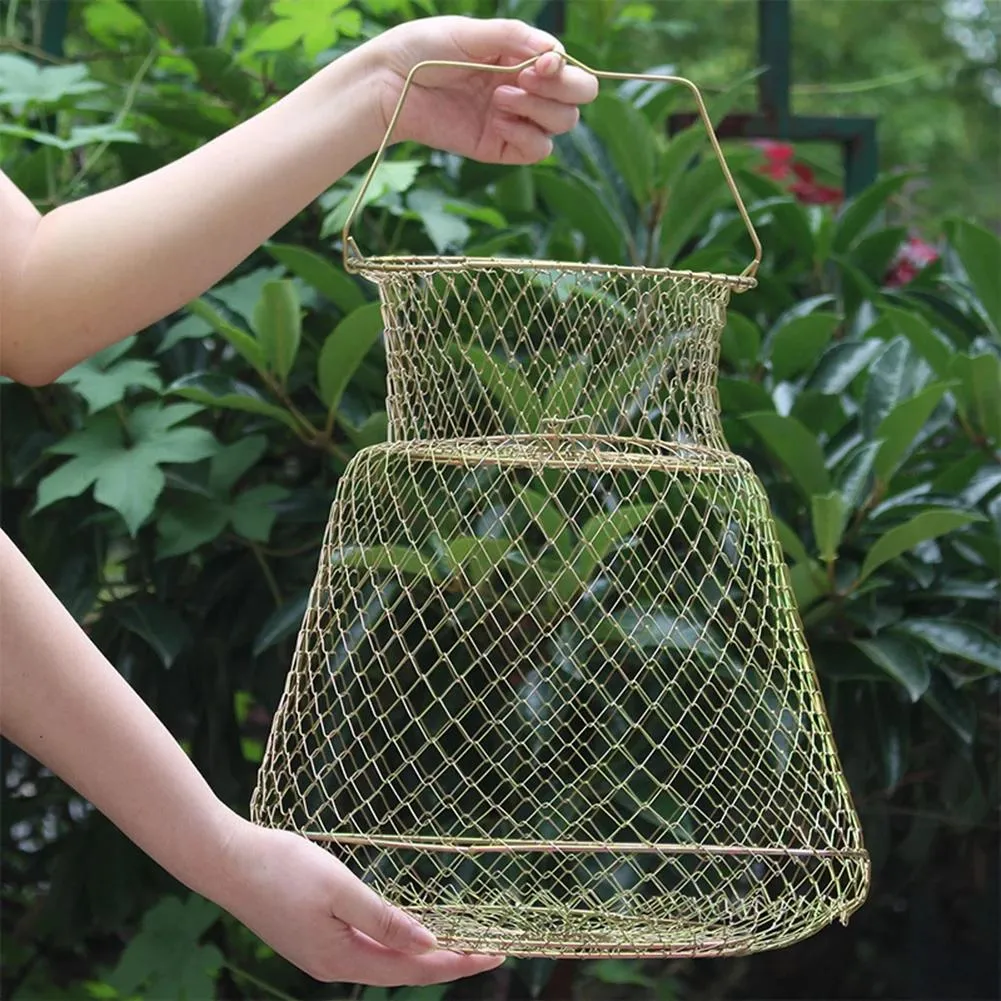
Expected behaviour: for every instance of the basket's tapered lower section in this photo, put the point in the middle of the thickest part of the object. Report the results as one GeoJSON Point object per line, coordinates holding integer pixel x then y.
{"type": "Point", "coordinates": [552, 697]}
{"type": "Point", "coordinates": [589, 901]}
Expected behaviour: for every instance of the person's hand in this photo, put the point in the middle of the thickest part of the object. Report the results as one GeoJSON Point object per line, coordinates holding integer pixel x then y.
{"type": "Point", "coordinates": [313, 911]}
{"type": "Point", "coordinates": [492, 117]}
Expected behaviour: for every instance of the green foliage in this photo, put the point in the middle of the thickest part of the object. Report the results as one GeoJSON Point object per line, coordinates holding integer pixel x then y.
{"type": "Point", "coordinates": [174, 490]}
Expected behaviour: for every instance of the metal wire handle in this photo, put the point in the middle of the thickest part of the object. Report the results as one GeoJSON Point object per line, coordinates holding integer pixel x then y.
{"type": "Point", "coordinates": [353, 257]}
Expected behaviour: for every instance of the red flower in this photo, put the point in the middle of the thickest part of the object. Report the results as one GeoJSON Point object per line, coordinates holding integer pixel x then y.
{"type": "Point", "coordinates": [779, 157]}
{"type": "Point", "coordinates": [781, 165]}
{"type": "Point", "coordinates": [913, 256]}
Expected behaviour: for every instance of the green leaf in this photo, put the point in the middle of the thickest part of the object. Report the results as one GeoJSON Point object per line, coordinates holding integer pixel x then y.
{"type": "Point", "coordinates": [979, 391]}
{"type": "Point", "coordinates": [629, 139]}
{"type": "Point", "coordinates": [345, 349]}
{"type": "Point", "coordinates": [374, 431]}
{"type": "Point", "coordinates": [820, 413]}
{"type": "Point", "coordinates": [393, 177]}
{"type": "Point", "coordinates": [963, 640]}
{"type": "Point", "coordinates": [164, 959]}
{"type": "Point", "coordinates": [543, 509]}
{"type": "Point", "coordinates": [930, 345]}
{"type": "Point", "coordinates": [253, 513]}
{"type": "Point", "coordinates": [576, 201]}
{"type": "Point", "coordinates": [476, 558]}
{"type": "Point", "coordinates": [23, 83]}
{"type": "Point", "coordinates": [684, 146]}
{"type": "Point", "coordinates": [901, 660]}
{"type": "Point", "coordinates": [397, 559]}
{"type": "Point", "coordinates": [189, 523]}
{"type": "Point", "coordinates": [619, 971]}
{"type": "Point", "coordinates": [980, 252]}
{"type": "Point", "coordinates": [508, 385]}
{"type": "Point", "coordinates": [829, 514]}
{"type": "Point", "coordinates": [895, 375]}
{"type": "Point", "coordinates": [278, 325]}
{"type": "Point", "coordinates": [601, 534]}
{"type": "Point", "coordinates": [796, 449]}
{"type": "Point", "coordinates": [222, 391]}
{"type": "Point", "coordinates": [900, 427]}
{"type": "Point", "coordinates": [161, 627]}
{"type": "Point", "coordinates": [901, 538]}
{"type": "Point", "coordinates": [111, 21]}
{"type": "Point", "coordinates": [221, 14]}
{"type": "Point", "coordinates": [856, 476]}
{"type": "Point", "coordinates": [447, 230]}
{"type": "Point", "coordinates": [331, 282]}
{"type": "Point", "coordinates": [791, 543]}
{"type": "Point", "coordinates": [698, 193]}
{"type": "Point", "coordinates": [842, 363]}
{"type": "Point", "coordinates": [798, 344]}
{"type": "Point", "coordinates": [862, 210]}
{"type": "Point", "coordinates": [181, 21]}
{"type": "Point", "coordinates": [103, 385]}
{"type": "Point", "coordinates": [283, 622]}
{"type": "Point", "coordinates": [561, 399]}
{"type": "Point", "coordinates": [125, 471]}
{"type": "Point", "coordinates": [244, 344]}
{"type": "Point", "coordinates": [232, 461]}
{"type": "Point", "coordinates": [741, 341]}
{"type": "Point", "coordinates": [954, 708]}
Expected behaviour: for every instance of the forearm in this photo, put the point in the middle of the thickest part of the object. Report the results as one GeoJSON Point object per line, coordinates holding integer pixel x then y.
{"type": "Point", "coordinates": [63, 703]}
{"type": "Point", "coordinates": [110, 264]}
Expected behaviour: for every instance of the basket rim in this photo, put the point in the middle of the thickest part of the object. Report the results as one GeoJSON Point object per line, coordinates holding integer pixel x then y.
{"type": "Point", "coordinates": [377, 267]}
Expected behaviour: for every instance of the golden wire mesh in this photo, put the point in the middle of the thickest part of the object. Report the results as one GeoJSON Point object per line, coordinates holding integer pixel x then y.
{"type": "Point", "coordinates": [552, 694]}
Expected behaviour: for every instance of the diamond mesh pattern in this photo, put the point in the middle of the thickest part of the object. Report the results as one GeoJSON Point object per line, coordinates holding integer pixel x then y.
{"type": "Point", "coordinates": [552, 694]}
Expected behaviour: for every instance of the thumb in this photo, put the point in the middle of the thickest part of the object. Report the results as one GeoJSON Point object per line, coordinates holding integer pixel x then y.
{"type": "Point", "coordinates": [363, 909]}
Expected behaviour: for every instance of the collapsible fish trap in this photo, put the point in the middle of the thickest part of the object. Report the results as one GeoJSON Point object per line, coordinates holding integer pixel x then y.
{"type": "Point", "coordinates": [552, 694]}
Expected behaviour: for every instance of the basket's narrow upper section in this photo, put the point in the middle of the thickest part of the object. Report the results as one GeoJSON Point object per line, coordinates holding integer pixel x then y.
{"type": "Point", "coordinates": [505, 350]}
{"type": "Point", "coordinates": [486, 347]}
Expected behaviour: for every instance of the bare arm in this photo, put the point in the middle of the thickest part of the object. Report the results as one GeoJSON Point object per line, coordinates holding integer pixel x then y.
{"type": "Point", "coordinates": [64, 704]}
{"type": "Point", "coordinates": [131, 255]}
{"type": "Point", "coordinates": [94, 271]}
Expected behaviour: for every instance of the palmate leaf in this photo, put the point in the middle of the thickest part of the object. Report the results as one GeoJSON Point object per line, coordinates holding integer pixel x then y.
{"type": "Point", "coordinates": [125, 471]}
{"type": "Point", "coordinates": [166, 958]}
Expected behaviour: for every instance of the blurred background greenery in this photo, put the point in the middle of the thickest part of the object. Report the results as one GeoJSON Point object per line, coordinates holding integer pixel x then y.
{"type": "Point", "coordinates": [874, 338]}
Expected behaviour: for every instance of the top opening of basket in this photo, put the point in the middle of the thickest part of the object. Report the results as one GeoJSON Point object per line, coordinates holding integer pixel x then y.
{"type": "Point", "coordinates": [376, 268]}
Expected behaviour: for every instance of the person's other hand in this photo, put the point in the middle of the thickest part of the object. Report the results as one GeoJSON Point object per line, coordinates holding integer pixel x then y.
{"type": "Point", "coordinates": [492, 117]}
{"type": "Point", "coordinates": [316, 914]}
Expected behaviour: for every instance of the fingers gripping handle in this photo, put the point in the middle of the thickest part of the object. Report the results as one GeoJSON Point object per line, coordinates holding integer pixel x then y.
{"type": "Point", "coordinates": [353, 258]}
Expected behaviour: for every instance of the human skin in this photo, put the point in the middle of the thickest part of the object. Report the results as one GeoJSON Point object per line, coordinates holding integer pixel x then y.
{"type": "Point", "coordinates": [94, 271]}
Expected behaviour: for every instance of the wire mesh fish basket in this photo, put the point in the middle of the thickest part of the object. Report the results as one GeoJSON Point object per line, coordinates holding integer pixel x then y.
{"type": "Point", "coordinates": [552, 694]}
